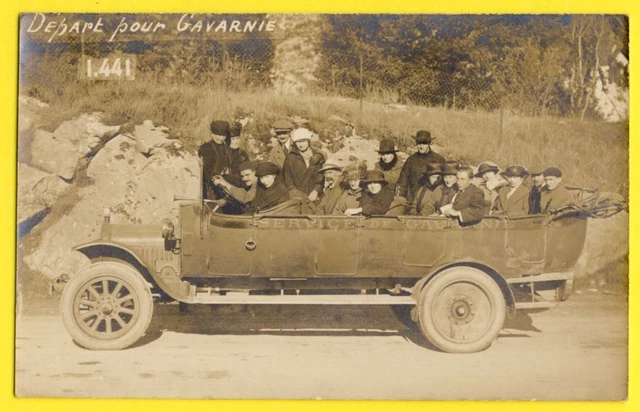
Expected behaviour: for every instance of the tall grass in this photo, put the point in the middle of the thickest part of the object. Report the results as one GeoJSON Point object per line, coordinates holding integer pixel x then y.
{"type": "Point", "coordinates": [590, 153]}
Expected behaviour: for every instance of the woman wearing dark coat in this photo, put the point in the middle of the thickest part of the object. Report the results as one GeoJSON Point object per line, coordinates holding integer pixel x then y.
{"type": "Point", "coordinates": [237, 156]}
{"type": "Point", "coordinates": [376, 197]}
{"type": "Point", "coordinates": [271, 190]}
{"type": "Point", "coordinates": [389, 164]}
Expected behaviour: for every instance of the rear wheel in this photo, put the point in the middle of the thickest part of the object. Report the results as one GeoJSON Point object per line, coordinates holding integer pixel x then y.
{"type": "Point", "coordinates": [461, 310]}
{"type": "Point", "coordinates": [106, 306]}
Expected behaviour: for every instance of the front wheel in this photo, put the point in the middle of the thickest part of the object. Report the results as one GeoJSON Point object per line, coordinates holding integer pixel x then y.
{"type": "Point", "coordinates": [461, 310]}
{"type": "Point", "coordinates": [106, 306]}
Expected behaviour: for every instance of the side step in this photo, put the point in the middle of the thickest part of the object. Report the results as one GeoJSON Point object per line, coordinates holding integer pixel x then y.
{"type": "Point", "coordinates": [242, 298]}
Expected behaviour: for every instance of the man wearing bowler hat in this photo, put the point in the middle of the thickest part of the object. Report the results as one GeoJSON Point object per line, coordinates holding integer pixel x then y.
{"type": "Point", "coordinates": [513, 199]}
{"type": "Point", "coordinates": [389, 164]}
{"type": "Point", "coordinates": [554, 195]}
{"type": "Point", "coordinates": [216, 158]}
{"type": "Point", "coordinates": [282, 129]}
{"type": "Point", "coordinates": [416, 164]}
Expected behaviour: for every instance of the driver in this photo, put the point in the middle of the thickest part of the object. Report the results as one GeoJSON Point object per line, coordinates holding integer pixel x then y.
{"type": "Point", "coordinates": [245, 194]}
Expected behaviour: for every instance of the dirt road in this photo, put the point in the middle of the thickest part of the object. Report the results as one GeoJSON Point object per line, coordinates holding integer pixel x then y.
{"type": "Point", "coordinates": [575, 351]}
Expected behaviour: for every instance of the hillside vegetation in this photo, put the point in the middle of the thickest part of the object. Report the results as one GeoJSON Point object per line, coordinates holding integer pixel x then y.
{"type": "Point", "coordinates": [591, 153]}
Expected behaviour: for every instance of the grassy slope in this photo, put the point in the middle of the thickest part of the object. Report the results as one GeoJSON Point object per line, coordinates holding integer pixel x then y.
{"type": "Point", "coordinates": [593, 154]}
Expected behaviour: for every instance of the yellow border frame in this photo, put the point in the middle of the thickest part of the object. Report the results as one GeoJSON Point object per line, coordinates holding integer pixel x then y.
{"type": "Point", "coordinates": [8, 142]}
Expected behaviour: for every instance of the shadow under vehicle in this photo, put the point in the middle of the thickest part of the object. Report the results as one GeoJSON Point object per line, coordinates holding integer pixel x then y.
{"type": "Point", "coordinates": [459, 283]}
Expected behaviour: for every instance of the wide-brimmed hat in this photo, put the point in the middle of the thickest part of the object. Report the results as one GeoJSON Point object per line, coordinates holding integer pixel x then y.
{"type": "Point", "coordinates": [515, 171]}
{"type": "Point", "coordinates": [387, 146]}
{"type": "Point", "coordinates": [537, 169]}
{"type": "Point", "coordinates": [373, 176]}
{"type": "Point", "coordinates": [266, 168]}
{"type": "Point", "coordinates": [486, 167]}
{"type": "Point", "coordinates": [301, 134]}
{"type": "Point", "coordinates": [282, 125]}
{"type": "Point", "coordinates": [220, 127]}
{"type": "Point", "coordinates": [433, 169]}
{"type": "Point", "coordinates": [423, 137]}
{"type": "Point", "coordinates": [449, 169]}
{"type": "Point", "coordinates": [552, 171]}
{"type": "Point", "coordinates": [330, 165]}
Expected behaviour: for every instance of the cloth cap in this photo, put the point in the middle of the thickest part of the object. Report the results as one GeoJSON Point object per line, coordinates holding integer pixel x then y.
{"type": "Point", "coordinates": [536, 170]}
{"type": "Point", "coordinates": [220, 127]}
{"type": "Point", "coordinates": [552, 171]}
{"type": "Point", "coordinates": [423, 137]}
{"type": "Point", "coordinates": [301, 134]}
{"type": "Point", "coordinates": [282, 125]}
{"type": "Point", "coordinates": [248, 165]}
{"type": "Point", "coordinates": [266, 168]}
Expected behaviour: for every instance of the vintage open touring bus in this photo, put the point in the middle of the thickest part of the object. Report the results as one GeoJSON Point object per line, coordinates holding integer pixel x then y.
{"type": "Point", "coordinates": [461, 282]}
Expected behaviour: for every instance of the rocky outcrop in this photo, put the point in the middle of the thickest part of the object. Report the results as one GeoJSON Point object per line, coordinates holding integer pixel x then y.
{"type": "Point", "coordinates": [60, 152]}
{"type": "Point", "coordinates": [37, 192]}
{"type": "Point", "coordinates": [133, 178]}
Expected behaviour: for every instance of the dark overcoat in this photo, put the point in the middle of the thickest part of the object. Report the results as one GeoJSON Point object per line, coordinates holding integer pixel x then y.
{"type": "Point", "coordinates": [413, 170]}
{"type": "Point", "coordinates": [298, 176]}
{"type": "Point", "coordinates": [216, 159]}
{"type": "Point", "coordinates": [376, 204]}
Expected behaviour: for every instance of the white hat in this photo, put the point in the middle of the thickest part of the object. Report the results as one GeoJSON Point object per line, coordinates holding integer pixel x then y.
{"type": "Point", "coordinates": [301, 134]}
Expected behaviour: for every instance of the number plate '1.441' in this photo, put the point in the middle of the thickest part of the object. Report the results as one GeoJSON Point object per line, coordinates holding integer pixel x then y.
{"type": "Point", "coordinates": [111, 67]}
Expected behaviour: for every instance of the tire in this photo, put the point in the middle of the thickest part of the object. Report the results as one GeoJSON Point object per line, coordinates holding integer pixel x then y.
{"type": "Point", "coordinates": [461, 310]}
{"type": "Point", "coordinates": [106, 306]}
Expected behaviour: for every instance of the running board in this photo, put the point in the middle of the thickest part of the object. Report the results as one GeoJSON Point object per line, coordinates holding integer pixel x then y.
{"type": "Point", "coordinates": [534, 305]}
{"type": "Point", "coordinates": [238, 298]}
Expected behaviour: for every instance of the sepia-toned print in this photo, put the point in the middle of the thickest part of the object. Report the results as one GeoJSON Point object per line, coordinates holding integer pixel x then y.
{"type": "Point", "coordinates": [317, 206]}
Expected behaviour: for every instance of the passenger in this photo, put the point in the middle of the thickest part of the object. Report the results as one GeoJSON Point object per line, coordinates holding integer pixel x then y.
{"type": "Point", "coordinates": [468, 203]}
{"type": "Point", "coordinates": [513, 200]}
{"type": "Point", "coordinates": [389, 164]}
{"type": "Point", "coordinates": [282, 129]}
{"type": "Point", "coordinates": [445, 192]}
{"type": "Point", "coordinates": [536, 189]}
{"type": "Point", "coordinates": [425, 202]}
{"type": "Point", "coordinates": [271, 190]}
{"type": "Point", "coordinates": [491, 181]}
{"type": "Point", "coordinates": [302, 166]}
{"type": "Point", "coordinates": [237, 155]}
{"type": "Point", "coordinates": [216, 159]}
{"type": "Point", "coordinates": [554, 195]}
{"type": "Point", "coordinates": [332, 187]}
{"type": "Point", "coordinates": [376, 197]}
{"type": "Point", "coordinates": [242, 195]}
{"type": "Point", "coordinates": [415, 166]}
{"type": "Point", "coordinates": [352, 190]}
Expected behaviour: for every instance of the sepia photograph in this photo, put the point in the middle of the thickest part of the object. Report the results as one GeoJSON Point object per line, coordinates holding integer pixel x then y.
{"type": "Point", "coordinates": [323, 206]}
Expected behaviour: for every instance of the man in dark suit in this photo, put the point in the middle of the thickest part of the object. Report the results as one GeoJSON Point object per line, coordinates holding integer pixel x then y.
{"type": "Point", "coordinates": [468, 204]}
